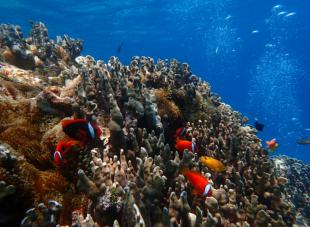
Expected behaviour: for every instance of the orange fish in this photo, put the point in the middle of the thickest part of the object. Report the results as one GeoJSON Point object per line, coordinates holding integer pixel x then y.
{"type": "Point", "coordinates": [181, 145]}
{"type": "Point", "coordinates": [200, 183]}
{"type": "Point", "coordinates": [63, 149]}
{"type": "Point", "coordinates": [213, 163]}
{"type": "Point", "coordinates": [272, 144]}
{"type": "Point", "coordinates": [81, 129]}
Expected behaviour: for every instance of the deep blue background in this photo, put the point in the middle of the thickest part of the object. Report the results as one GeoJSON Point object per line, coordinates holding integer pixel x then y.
{"type": "Point", "coordinates": [270, 82]}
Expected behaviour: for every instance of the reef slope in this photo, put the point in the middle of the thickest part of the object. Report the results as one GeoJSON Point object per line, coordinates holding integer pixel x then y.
{"type": "Point", "coordinates": [131, 176]}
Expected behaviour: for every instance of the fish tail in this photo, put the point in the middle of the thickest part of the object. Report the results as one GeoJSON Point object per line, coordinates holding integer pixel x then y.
{"type": "Point", "coordinates": [203, 160]}
{"type": "Point", "coordinates": [98, 130]}
{"type": "Point", "coordinates": [74, 142]}
{"type": "Point", "coordinates": [184, 170]}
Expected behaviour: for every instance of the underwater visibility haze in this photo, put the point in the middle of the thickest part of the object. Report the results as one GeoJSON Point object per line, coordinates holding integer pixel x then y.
{"type": "Point", "coordinates": [255, 58]}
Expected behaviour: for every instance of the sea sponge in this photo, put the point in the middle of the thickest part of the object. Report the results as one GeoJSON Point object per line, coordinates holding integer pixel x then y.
{"type": "Point", "coordinates": [25, 139]}
{"type": "Point", "coordinates": [52, 136]}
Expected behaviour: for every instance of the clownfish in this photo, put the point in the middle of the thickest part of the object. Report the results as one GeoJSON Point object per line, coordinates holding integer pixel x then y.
{"type": "Point", "coordinates": [81, 129]}
{"type": "Point", "coordinates": [63, 149]}
{"type": "Point", "coordinates": [180, 132]}
{"type": "Point", "coordinates": [181, 145]}
{"type": "Point", "coordinates": [200, 183]}
{"type": "Point", "coordinates": [212, 163]}
{"type": "Point", "coordinates": [272, 145]}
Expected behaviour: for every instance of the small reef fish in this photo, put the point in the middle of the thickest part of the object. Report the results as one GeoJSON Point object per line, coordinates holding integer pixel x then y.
{"type": "Point", "coordinates": [259, 126]}
{"type": "Point", "coordinates": [180, 132]}
{"type": "Point", "coordinates": [255, 31]}
{"type": "Point", "coordinates": [290, 14]}
{"type": "Point", "coordinates": [304, 141]}
{"type": "Point", "coordinates": [81, 129]}
{"type": "Point", "coordinates": [181, 145]}
{"type": "Point", "coordinates": [277, 7]}
{"type": "Point", "coordinates": [213, 163]}
{"type": "Point", "coordinates": [282, 13]}
{"type": "Point", "coordinates": [119, 48]}
{"type": "Point", "coordinates": [63, 149]}
{"type": "Point", "coordinates": [272, 145]}
{"type": "Point", "coordinates": [200, 183]}
{"type": "Point", "coordinates": [269, 45]}
{"type": "Point", "coordinates": [228, 17]}
{"type": "Point", "coordinates": [217, 50]}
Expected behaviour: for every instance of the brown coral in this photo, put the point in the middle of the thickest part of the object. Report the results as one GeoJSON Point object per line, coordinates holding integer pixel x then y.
{"type": "Point", "coordinates": [166, 105]}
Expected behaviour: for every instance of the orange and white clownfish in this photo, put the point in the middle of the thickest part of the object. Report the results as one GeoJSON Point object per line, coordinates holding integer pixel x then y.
{"type": "Point", "coordinates": [181, 145]}
{"type": "Point", "coordinates": [81, 129]}
{"type": "Point", "coordinates": [201, 185]}
{"type": "Point", "coordinates": [63, 149]}
{"type": "Point", "coordinates": [272, 145]}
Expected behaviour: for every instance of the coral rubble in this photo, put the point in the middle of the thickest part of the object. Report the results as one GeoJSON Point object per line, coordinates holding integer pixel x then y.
{"type": "Point", "coordinates": [131, 175]}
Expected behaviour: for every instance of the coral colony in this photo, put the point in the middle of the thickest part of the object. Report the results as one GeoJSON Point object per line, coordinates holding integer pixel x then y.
{"type": "Point", "coordinates": [89, 143]}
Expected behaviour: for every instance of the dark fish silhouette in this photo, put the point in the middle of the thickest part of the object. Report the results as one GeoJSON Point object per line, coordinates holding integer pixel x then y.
{"type": "Point", "coordinates": [304, 141]}
{"type": "Point", "coordinates": [119, 48]}
{"type": "Point", "coordinates": [258, 126]}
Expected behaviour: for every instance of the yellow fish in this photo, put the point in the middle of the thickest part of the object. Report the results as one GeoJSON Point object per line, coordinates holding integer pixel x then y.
{"type": "Point", "coordinates": [213, 163]}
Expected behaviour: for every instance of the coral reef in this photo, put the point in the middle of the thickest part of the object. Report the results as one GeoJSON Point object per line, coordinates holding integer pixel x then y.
{"type": "Point", "coordinates": [132, 174]}
{"type": "Point", "coordinates": [294, 176]}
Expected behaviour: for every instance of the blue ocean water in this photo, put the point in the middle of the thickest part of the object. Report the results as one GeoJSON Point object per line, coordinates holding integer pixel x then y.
{"type": "Point", "coordinates": [255, 54]}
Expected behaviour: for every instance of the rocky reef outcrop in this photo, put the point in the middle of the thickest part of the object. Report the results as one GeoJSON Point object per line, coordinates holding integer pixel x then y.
{"type": "Point", "coordinates": [132, 174]}
{"type": "Point", "coordinates": [295, 175]}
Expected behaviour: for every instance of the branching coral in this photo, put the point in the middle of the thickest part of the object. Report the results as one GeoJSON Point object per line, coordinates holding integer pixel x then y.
{"type": "Point", "coordinates": [132, 175]}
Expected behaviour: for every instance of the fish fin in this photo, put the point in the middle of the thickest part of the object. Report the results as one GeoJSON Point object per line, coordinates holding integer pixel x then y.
{"type": "Point", "coordinates": [176, 147]}
{"type": "Point", "coordinates": [98, 130]}
{"type": "Point", "coordinates": [271, 150]}
{"type": "Point", "coordinates": [203, 159]}
{"type": "Point", "coordinates": [184, 170]}
{"type": "Point", "coordinates": [57, 158]}
{"type": "Point", "coordinates": [73, 127]}
{"type": "Point", "coordinates": [65, 123]}
{"type": "Point", "coordinates": [73, 143]}
{"type": "Point", "coordinates": [82, 133]}
{"type": "Point", "coordinates": [195, 192]}
{"type": "Point", "coordinates": [221, 169]}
